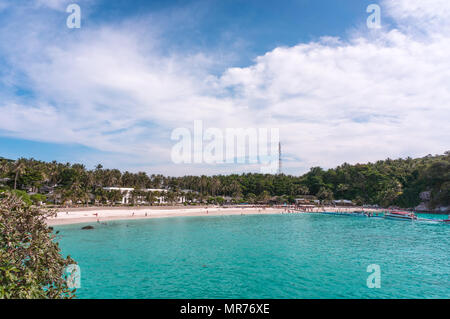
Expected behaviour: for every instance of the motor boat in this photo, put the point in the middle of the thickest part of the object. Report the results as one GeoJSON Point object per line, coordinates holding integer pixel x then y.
{"type": "Point", "coordinates": [401, 215]}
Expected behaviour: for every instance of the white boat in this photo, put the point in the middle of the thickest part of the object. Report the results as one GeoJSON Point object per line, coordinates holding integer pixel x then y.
{"type": "Point", "coordinates": [401, 216]}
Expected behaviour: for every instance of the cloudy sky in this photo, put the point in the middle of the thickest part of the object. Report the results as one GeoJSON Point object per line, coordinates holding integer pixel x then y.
{"type": "Point", "coordinates": [113, 91]}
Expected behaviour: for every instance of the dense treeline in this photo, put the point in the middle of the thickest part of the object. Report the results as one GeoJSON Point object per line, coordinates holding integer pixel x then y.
{"type": "Point", "coordinates": [389, 182]}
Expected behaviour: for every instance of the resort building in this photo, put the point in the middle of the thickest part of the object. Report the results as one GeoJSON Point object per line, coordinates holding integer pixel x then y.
{"type": "Point", "coordinates": [307, 199]}
{"type": "Point", "coordinates": [343, 202]}
{"type": "Point", "coordinates": [126, 193]}
{"type": "Point", "coordinates": [160, 195]}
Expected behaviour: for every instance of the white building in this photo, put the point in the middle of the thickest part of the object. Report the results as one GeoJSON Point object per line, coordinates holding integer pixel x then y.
{"type": "Point", "coordinates": [343, 202]}
{"type": "Point", "coordinates": [126, 193]}
{"type": "Point", "coordinates": [160, 197]}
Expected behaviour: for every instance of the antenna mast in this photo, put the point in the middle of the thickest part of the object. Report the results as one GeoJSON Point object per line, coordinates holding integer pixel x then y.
{"type": "Point", "coordinates": [279, 157]}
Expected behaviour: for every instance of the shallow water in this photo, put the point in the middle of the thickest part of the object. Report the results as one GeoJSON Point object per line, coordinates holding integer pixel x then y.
{"type": "Point", "coordinates": [260, 256]}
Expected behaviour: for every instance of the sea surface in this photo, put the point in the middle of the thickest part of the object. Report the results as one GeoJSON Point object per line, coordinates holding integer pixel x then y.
{"type": "Point", "coordinates": [260, 256]}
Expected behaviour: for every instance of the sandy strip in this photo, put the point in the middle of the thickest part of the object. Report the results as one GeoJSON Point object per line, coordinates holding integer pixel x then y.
{"type": "Point", "coordinates": [77, 217]}
{"type": "Point", "coordinates": [87, 215]}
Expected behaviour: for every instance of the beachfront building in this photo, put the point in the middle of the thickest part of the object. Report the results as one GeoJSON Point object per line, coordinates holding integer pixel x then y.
{"type": "Point", "coordinates": [160, 195]}
{"type": "Point", "coordinates": [307, 200]}
{"type": "Point", "coordinates": [125, 191]}
{"type": "Point", "coordinates": [343, 202]}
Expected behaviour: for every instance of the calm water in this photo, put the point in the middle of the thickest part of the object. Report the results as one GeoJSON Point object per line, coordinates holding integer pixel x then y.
{"type": "Point", "coordinates": [270, 256]}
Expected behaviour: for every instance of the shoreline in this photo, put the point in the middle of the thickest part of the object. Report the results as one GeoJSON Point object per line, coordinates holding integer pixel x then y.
{"type": "Point", "coordinates": [130, 214]}
{"type": "Point", "coordinates": [102, 214]}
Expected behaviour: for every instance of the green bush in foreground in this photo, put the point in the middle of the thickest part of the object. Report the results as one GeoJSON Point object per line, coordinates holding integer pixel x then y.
{"type": "Point", "coordinates": [31, 264]}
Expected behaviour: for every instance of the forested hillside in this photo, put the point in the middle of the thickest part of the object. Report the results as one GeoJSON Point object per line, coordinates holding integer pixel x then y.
{"type": "Point", "coordinates": [389, 182]}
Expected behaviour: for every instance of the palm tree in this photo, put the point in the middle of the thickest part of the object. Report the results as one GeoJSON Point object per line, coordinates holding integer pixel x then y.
{"type": "Point", "coordinates": [19, 169]}
{"type": "Point", "coordinates": [150, 198]}
{"type": "Point", "coordinates": [235, 189]}
{"type": "Point", "coordinates": [6, 167]}
{"type": "Point", "coordinates": [3, 166]}
{"type": "Point", "coordinates": [302, 190]}
{"type": "Point", "coordinates": [264, 197]}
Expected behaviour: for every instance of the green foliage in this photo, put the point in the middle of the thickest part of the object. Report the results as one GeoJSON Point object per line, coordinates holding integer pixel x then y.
{"type": "Point", "coordinates": [437, 177]}
{"type": "Point", "coordinates": [38, 198]}
{"type": "Point", "coordinates": [389, 182]}
{"type": "Point", "coordinates": [23, 196]}
{"type": "Point", "coordinates": [325, 194]}
{"type": "Point", "coordinates": [31, 265]}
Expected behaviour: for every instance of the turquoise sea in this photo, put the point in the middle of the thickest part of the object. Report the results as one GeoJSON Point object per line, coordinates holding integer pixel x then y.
{"type": "Point", "coordinates": [260, 256]}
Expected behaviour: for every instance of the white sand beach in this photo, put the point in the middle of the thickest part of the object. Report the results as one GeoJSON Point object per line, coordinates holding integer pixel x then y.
{"type": "Point", "coordinates": [100, 214]}
{"type": "Point", "coordinates": [86, 215]}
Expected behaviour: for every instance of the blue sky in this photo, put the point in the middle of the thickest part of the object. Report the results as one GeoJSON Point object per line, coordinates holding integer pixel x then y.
{"type": "Point", "coordinates": [259, 25]}
{"type": "Point", "coordinates": [113, 91]}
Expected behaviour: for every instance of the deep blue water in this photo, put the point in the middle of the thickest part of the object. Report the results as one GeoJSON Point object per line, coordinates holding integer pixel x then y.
{"type": "Point", "coordinates": [264, 256]}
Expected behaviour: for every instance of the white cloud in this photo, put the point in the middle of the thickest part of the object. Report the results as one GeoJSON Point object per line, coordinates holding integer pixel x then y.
{"type": "Point", "coordinates": [111, 88]}
{"type": "Point", "coordinates": [418, 13]}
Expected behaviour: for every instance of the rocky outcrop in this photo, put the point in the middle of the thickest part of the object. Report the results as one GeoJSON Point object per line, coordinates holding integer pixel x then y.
{"type": "Point", "coordinates": [425, 206]}
{"type": "Point", "coordinates": [422, 207]}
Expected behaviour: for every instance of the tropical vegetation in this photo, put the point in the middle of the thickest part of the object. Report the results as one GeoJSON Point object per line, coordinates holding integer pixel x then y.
{"type": "Point", "coordinates": [388, 182]}
{"type": "Point", "coordinates": [31, 264]}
